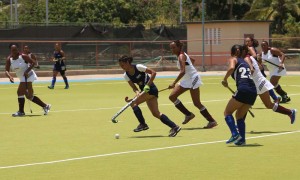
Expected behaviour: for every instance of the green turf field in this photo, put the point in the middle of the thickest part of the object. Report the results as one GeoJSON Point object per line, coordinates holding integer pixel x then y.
{"type": "Point", "coordinates": [76, 139]}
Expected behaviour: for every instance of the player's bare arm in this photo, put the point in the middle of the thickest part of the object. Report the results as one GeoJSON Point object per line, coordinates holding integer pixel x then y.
{"type": "Point", "coordinates": [252, 52]}
{"type": "Point", "coordinates": [181, 59]}
{"type": "Point", "coordinates": [134, 88]}
{"type": "Point", "coordinates": [7, 69]}
{"type": "Point", "coordinates": [152, 77]}
{"type": "Point", "coordinates": [232, 63]}
{"type": "Point", "coordinates": [30, 62]}
{"type": "Point", "coordinates": [278, 53]}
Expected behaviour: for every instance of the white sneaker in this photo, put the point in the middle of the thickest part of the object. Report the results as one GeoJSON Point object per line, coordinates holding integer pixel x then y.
{"type": "Point", "coordinates": [47, 109]}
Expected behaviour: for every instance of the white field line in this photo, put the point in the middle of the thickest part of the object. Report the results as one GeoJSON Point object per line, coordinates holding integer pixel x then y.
{"type": "Point", "coordinates": [110, 108]}
{"type": "Point", "coordinates": [137, 151]}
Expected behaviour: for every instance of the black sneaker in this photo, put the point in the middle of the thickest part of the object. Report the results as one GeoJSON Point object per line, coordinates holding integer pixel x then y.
{"type": "Point", "coordinates": [188, 118]}
{"type": "Point", "coordinates": [51, 87]}
{"type": "Point", "coordinates": [241, 142]}
{"type": "Point", "coordinates": [141, 127]}
{"type": "Point", "coordinates": [285, 99]}
{"type": "Point", "coordinates": [174, 131]}
{"type": "Point", "coordinates": [18, 114]}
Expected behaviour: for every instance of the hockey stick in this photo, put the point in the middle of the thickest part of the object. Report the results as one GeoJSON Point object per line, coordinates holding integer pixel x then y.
{"type": "Point", "coordinates": [163, 89]}
{"type": "Point", "coordinates": [251, 113]}
{"type": "Point", "coordinates": [128, 100]}
{"type": "Point", "coordinates": [113, 119]}
{"type": "Point", "coordinates": [27, 94]}
{"type": "Point", "coordinates": [273, 64]}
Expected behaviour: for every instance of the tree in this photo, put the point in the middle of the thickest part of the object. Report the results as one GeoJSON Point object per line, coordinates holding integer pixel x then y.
{"type": "Point", "coordinates": [277, 12]}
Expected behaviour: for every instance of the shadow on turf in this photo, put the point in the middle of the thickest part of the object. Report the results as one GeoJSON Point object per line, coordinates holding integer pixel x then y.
{"type": "Point", "coordinates": [193, 128]}
{"type": "Point", "coordinates": [33, 115]}
{"type": "Point", "coordinates": [266, 132]}
{"type": "Point", "coordinates": [248, 145]}
{"type": "Point", "coordinates": [153, 136]}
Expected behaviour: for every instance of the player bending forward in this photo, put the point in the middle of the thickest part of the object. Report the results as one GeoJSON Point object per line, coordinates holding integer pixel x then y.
{"type": "Point", "coordinates": [138, 74]}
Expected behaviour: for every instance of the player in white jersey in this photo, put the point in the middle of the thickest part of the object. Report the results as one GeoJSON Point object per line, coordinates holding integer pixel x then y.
{"type": "Point", "coordinates": [263, 86]}
{"type": "Point", "coordinates": [274, 60]}
{"type": "Point", "coordinates": [188, 79]}
{"type": "Point", "coordinates": [22, 65]}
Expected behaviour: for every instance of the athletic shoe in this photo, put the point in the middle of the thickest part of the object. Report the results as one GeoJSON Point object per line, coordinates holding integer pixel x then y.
{"type": "Point", "coordinates": [67, 87]}
{"type": "Point", "coordinates": [174, 131]}
{"type": "Point", "coordinates": [141, 127]}
{"type": "Point", "coordinates": [240, 143]}
{"type": "Point", "coordinates": [277, 101]}
{"type": "Point", "coordinates": [18, 114]}
{"type": "Point", "coordinates": [234, 139]}
{"type": "Point", "coordinates": [47, 109]}
{"type": "Point", "coordinates": [293, 116]}
{"type": "Point", "coordinates": [188, 118]}
{"type": "Point", "coordinates": [285, 99]}
{"type": "Point", "coordinates": [51, 87]}
{"type": "Point", "coordinates": [210, 125]}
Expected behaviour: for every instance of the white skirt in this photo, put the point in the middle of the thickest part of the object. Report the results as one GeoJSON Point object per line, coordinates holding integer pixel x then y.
{"type": "Point", "coordinates": [274, 72]}
{"type": "Point", "coordinates": [263, 86]}
{"type": "Point", "coordinates": [32, 77]}
{"type": "Point", "coordinates": [191, 83]}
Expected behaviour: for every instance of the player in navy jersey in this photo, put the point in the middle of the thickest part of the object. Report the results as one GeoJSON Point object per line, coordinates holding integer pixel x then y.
{"type": "Point", "coordinates": [138, 75]}
{"type": "Point", "coordinates": [243, 98]}
{"type": "Point", "coordinates": [189, 80]}
{"type": "Point", "coordinates": [22, 65]}
{"type": "Point", "coordinates": [59, 66]}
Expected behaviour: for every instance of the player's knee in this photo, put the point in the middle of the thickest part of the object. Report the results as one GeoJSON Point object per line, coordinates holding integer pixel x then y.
{"type": "Point", "coordinates": [156, 114]}
{"type": "Point", "coordinates": [269, 105]}
{"type": "Point", "coordinates": [29, 97]}
{"type": "Point", "coordinates": [173, 97]}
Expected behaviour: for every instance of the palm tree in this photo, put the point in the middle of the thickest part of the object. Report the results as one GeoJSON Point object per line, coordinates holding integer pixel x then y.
{"type": "Point", "coordinates": [274, 10]}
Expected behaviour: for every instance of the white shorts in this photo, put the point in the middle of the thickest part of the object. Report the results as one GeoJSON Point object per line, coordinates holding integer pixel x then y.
{"type": "Point", "coordinates": [32, 77]}
{"type": "Point", "coordinates": [191, 83]}
{"type": "Point", "coordinates": [274, 72]}
{"type": "Point", "coordinates": [263, 86]}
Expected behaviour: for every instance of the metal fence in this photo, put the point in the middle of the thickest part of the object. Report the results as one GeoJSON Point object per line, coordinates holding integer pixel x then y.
{"type": "Point", "coordinates": [105, 54]}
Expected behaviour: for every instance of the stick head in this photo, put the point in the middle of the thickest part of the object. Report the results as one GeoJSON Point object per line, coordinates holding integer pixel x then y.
{"type": "Point", "coordinates": [114, 120]}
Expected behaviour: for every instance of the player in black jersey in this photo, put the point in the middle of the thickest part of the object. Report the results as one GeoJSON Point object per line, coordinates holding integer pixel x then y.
{"type": "Point", "coordinates": [139, 74]}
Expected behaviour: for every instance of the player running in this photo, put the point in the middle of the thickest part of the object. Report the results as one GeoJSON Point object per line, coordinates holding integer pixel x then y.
{"type": "Point", "coordinates": [274, 60]}
{"type": "Point", "coordinates": [139, 74]}
{"type": "Point", "coordinates": [243, 98]}
{"type": "Point", "coordinates": [263, 86]}
{"type": "Point", "coordinates": [188, 79]}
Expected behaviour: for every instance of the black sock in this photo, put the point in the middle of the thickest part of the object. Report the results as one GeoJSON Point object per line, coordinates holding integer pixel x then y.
{"type": "Point", "coordinates": [280, 91]}
{"type": "Point", "coordinates": [164, 119]}
{"type": "Point", "coordinates": [38, 101]}
{"type": "Point", "coordinates": [206, 114]}
{"type": "Point", "coordinates": [181, 107]}
{"type": "Point", "coordinates": [66, 81]}
{"type": "Point", "coordinates": [139, 115]}
{"type": "Point", "coordinates": [21, 101]}
{"type": "Point", "coordinates": [281, 109]}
